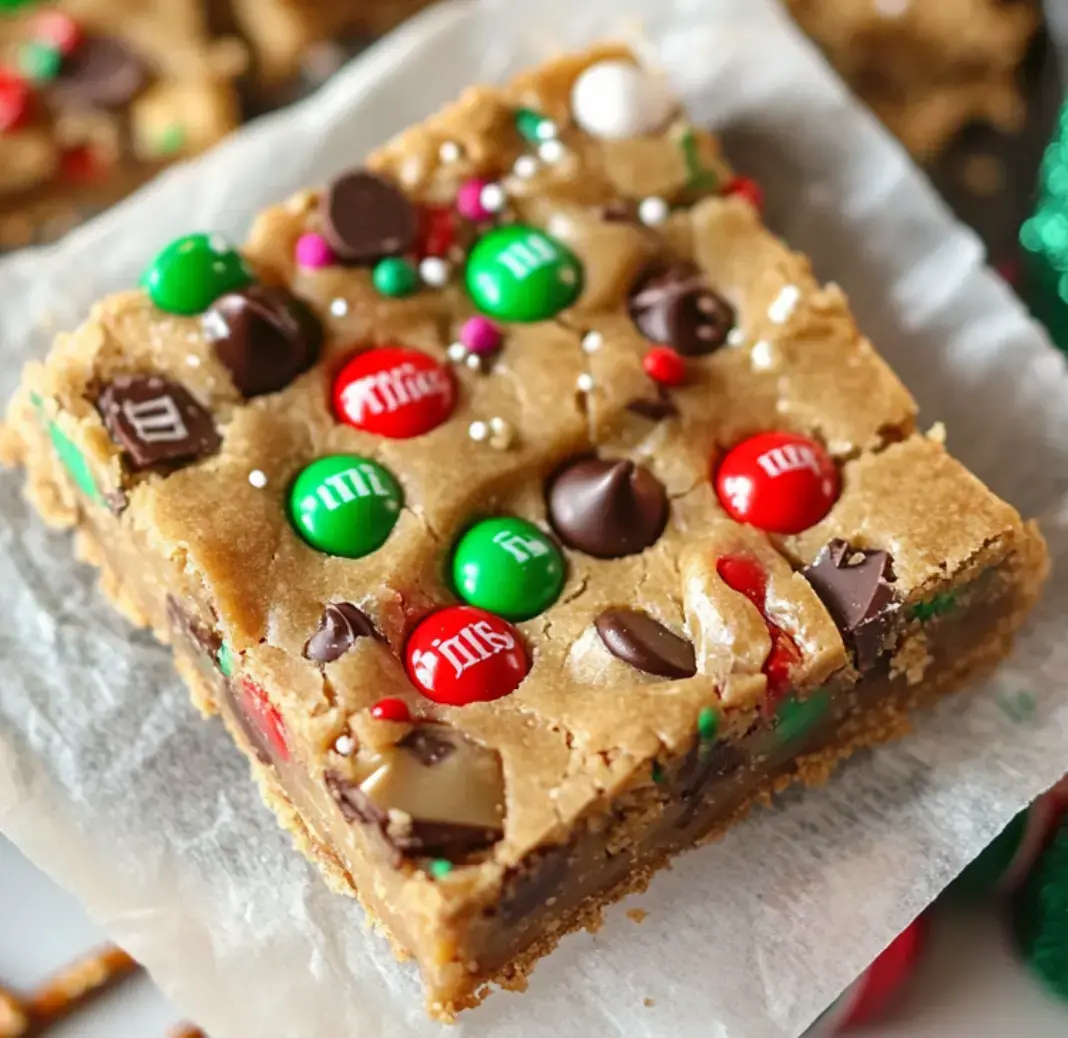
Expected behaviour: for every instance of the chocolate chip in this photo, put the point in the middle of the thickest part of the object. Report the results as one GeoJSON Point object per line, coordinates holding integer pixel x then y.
{"type": "Point", "coordinates": [673, 305]}
{"type": "Point", "coordinates": [704, 766]}
{"type": "Point", "coordinates": [252, 732]}
{"type": "Point", "coordinates": [623, 211]}
{"type": "Point", "coordinates": [654, 410]}
{"type": "Point", "coordinates": [432, 744]}
{"type": "Point", "coordinates": [341, 624]}
{"type": "Point", "coordinates": [101, 72]}
{"type": "Point", "coordinates": [645, 644]}
{"type": "Point", "coordinates": [528, 887]}
{"type": "Point", "coordinates": [357, 808]}
{"type": "Point", "coordinates": [264, 336]}
{"type": "Point", "coordinates": [607, 508]}
{"type": "Point", "coordinates": [155, 420]}
{"type": "Point", "coordinates": [854, 585]}
{"type": "Point", "coordinates": [366, 218]}
{"type": "Point", "coordinates": [186, 625]}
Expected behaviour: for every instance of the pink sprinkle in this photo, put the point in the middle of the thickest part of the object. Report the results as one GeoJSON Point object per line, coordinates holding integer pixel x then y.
{"type": "Point", "coordinates": [314, 252]}
{"type": "Point", "coordinates": [469, 200]}
{"type": "Point", "coordinates": [480, 335]}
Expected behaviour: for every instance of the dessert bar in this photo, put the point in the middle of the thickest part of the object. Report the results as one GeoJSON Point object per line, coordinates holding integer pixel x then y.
{"type": "Point", "coordinates": [526, 509]}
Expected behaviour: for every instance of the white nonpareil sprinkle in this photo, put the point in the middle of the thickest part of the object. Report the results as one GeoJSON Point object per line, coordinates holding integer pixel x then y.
{"type": "Point", "coordinates": [449, 151]}
{"type": "Point", "coordinates": [592, 342]}
{"type": "Point", "coordinates": [525, 167]}
{"type": "Point", "coordinates": [258, 478]}
{"type": "Point", "coordinates": [498, 425]}
{"type": "Point", "coordinates": [339, 307]}
{"type": "Point", "coordinates": [434, 271]}
{"type": "Point", "coordinates": [456, 352]}
{"type": "Point", "coordinates": [784, 304]}
{"type": "Point", "coordinates": [478, 431]}
{"type": "Point", "coordinates": [653, 211]}
{"type": "Point", "coordinates": [760, 355]}
{"type": "Point", "coordinates": [892, 8]}
{"type": "Point", "coordinates": [551, 151]}
{"type": "Point", "coordinates": [474, 362]}
{"type": "Point", "coordinates": [492, 198]}
{"type": "Point", "coordinates": [192, 360]}
{"type": "Point", "coordinates": [735, 337]}
{"type": "Point", "coordinates": [547, 130]}
{"type": "Point", "coordinates": [344, 745]}
{"type": "Point", "coordinates": [584, 383]}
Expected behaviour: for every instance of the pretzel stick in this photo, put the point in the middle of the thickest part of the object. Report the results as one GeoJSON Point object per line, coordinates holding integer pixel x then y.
{"type": "Point", "coordinates": [14, 1022]}
{"type": "Point", "coordinates": [76, 984]}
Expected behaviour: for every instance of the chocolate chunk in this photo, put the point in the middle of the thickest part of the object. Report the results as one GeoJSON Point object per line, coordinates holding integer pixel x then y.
{"type": "Point", "coordinates": [253, 733]}
{"type": "Point", "coordinates": [623, 211]}
{"type": "Point", "coordinates": [187, 626]}
{"type": "Point", "coordinates": [607, 508]}
{"type": "Point", "coordinates": [365, 218]}
{"type": "Point", "coordinates": [341, 624]}
{"type": "Point", "coordinates": [264, 336]}
{"type": "Point", "coordinates": [155, 420]}
{"type": "Point", "coordinates": [101, 72]}
{"type": "Point", "coordinates": [654, 410]}
{"type": "Point", "coordinates": [435, 792]}
{"type": "Point", "coordinates": [704, 766]}
{"type": "Point", "coordinates": [645, 644]}
{"type": "Point", "coordinates": [854, 585]}
{"type": "Point", "coordinates": [532, 884]}
{"type": "Point", "coordinates": [673, 305]}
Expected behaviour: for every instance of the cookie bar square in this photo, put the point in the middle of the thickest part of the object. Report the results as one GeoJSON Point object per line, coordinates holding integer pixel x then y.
{"type": "Point", "coordinates": [526, 509]}
{"type": "Point", "coordinates": [927, 69]}
{"type": "Point", "coordinates": [97, 96]}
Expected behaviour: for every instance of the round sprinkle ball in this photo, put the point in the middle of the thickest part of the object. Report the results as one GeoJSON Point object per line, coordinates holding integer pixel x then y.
{"type": "Point", "coordinates": [344, 504]}
{"type": "Point", "coordinates": [391, 709]}
{"type": "Point", "coordinates": [469, 200]}
{"type": "Point", "coordinates": [192, 272]}
{"type": "Point", "coordinates": [313, 252]}
{"type": "Point", "coordinates": [507, 566]}
{"type": "Point", "coordinates": [480, 335]}
{"type": "Point", "coordinates": [664, 366]}
{"type": "Point", "coordinates": [616, 99]}
{"type": "Point", "coordinates": [395, 277]}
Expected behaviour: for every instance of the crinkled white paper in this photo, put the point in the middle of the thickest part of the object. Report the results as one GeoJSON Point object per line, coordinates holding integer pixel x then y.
{"type": "Point", "coordinates": [111, 782]}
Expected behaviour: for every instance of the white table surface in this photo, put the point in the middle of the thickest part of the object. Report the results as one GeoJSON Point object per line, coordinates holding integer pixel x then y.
{"type": "Point", "coordinates": [969, 985]}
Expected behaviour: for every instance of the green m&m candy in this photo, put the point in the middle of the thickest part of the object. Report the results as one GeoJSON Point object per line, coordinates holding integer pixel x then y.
{"type": "Point", "coordinates": [192, 272]}
{"type": "Point", "coordinates": [797, 717]}
{"type": "Point", "coordinates": [345, 505]}
{"type": "Point", "coordinates": [520, 273]}
{"type": "Point", "coordinates": [509, 567]}
{"type": "Point", "coordinates": [73, 461]}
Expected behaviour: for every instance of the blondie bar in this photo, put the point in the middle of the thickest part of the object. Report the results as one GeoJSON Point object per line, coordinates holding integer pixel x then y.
{"type": "Point", "coordinates": [526, 509]}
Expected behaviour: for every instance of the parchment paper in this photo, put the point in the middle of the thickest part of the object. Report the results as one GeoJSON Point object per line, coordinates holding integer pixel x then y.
{"type": "Point", "coordinates": [111, 782]}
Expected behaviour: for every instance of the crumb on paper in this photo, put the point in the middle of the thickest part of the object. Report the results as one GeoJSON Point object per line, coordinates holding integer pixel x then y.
{"type": "Point", "coordinates": [637, 915]}
{"type": "Point", "coordinates": [648, 1003]}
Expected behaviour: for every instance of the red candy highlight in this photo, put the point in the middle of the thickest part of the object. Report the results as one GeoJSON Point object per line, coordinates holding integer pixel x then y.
{"type": "Point", "coordinates": [16, 101]}
{"type": "Point", "coordinates": [463, 655]}
{"type": "Point", "coordinates": [265, 716]}
{"type": "Point", "coordinates": [664, 366]}
{"type": "Point", "coordinates": [748, 189]}
{"type": "Point", "coordinates": [391, 709]}
{"type": "Point", "coordinates": [58, 30]}
{"type": "Point", "coordinates": [437, 231]}
{"type": "Point", "coordinates": [779, 482]}
{"type": "Point", "coordinates": [394, 392]}
{"type": "Point", "coordinates": [744, 574]}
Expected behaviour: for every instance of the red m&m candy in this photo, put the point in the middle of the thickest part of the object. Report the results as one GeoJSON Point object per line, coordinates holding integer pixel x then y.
{"type": "Point", "coordinates": [464, 655]}
{"type": "Point", "coordinates": [16, 101]}
{"type": "Point", "coordinates": [58, 30]}
{"type": "Point", "coordinates": [871, 994]}
{"type": "Point", "coordinates": [394, 392]}
{"type": "Point", "coordinates": [264, 716]}
{"type": "Point", "coordinates": [779, 482]}
{"type": "Point", "coordinates": [748, 189]}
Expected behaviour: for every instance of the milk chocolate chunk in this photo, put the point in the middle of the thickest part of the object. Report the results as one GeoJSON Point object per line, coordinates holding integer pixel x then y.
{"type": "Point", "coordinates": [366, 218]}
{"type": "Point", "coordinates": [101, 72]}
{"type": "Point", "coordinates": [341, 625]}
{"type": "Point", "coordinates": [607, 508]}
{"type": "Point", "coordinates": [856, 586]}
{"type": "Point", "coordinates": [264, 336]}
{"type": "Point", "coordinates": [673, 305]}
{"type": "Point", "coordinates": [155, 420]}
{"type": "Point", "coordinates": [646, 644]}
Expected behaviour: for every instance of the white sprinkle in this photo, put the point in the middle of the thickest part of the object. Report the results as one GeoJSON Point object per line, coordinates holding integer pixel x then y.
{"type": "Point", "coordinates": [478, 431]}
{"type": "Point", "coordinates": [551, 151]}
{"type": "Point", "coordinates": [434, 271]}
{"type": "Point", "coordinates": [653, 211]}
{"type": "Point", "coordinates": [784, 304]}
{"type": "Point", "coordinates": [547, 130]}
{"type": "Point", "coordinates": [760, 355]}
{"type": "Point", "coordinates": [474, 362]}
{"type": "Point", "coordinates": [258, 478]}
{"type": "Point", "coordinates": [735, 337]}
{"type": "Point", "coordinates": [456, 352]}
{"type": "Point", "coordinates": [344, 745]}
{"type": "Point", "coordinates": [339, 307]}
{"type": "Point", "coordinates": [492, 198]}
{"type": "Point", "coordinates": [498, 425]}
{"type": "Point", "coordinates": [449, 151]}
{"type": "Point", "coordinates": [892, 8]}
{"type": "Point", "coordinates": [592, 342]}
{"type": "Point", "coordinates": [584, 383]}
{"type": "Point", "coordinates": [525, 167]}
{"type": "Point", "coordinates": [192, 360]}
